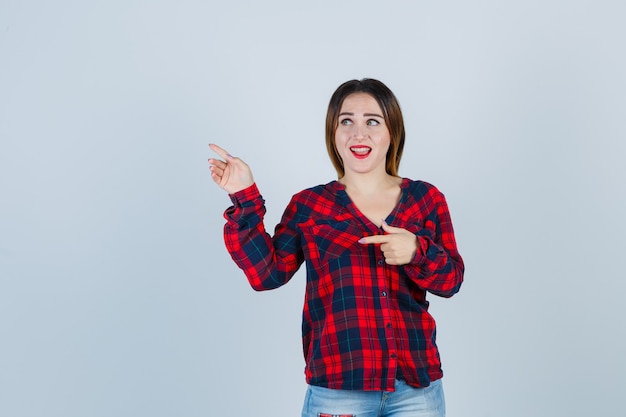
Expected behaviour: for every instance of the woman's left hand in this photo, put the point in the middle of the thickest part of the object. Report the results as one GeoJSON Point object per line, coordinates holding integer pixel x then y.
{"type": "Point", "coordinates": [398, 245]}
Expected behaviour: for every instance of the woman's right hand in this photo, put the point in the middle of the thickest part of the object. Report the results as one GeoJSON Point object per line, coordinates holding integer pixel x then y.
{"type": "Point", "coordinates": [231, 174]}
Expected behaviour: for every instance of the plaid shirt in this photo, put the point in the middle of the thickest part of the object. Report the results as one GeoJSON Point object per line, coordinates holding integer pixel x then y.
{"type": "Point", "coordinates": [364, 322]}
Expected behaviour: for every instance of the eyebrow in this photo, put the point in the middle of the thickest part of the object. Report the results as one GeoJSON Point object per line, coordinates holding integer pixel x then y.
{"type": "Point", "coordinates": [364, 114]}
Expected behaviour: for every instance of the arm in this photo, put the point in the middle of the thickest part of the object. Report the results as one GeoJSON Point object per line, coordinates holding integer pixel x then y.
{"type": "Point", "coordinates": [428, 256]}
{"type": "Point", "coordinates": [268, 262]}
{"type": "Point", "coordinates": [437, 265]}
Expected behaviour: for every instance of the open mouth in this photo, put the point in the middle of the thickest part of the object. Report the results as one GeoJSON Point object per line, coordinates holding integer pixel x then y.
{"type": "Point", "coordinates": [360, 152]}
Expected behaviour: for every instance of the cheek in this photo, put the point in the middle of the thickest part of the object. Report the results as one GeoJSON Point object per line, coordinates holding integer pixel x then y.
{"type": "Point", "coordinates": [385, 143]}
{"type": "Point", "coordinates": [338, 147]}
{"type": "Point", "coordinates": [340, 139]}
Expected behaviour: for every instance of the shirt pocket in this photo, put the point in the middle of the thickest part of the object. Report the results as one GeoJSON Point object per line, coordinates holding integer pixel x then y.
{"type": "Point", "coordinates": [334, 238]}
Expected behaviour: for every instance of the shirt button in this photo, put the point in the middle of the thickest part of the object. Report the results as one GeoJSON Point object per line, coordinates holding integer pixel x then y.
{"type": "Point", "coordinates": [389, 325]}
{"type": "Point", "coordinates": [384, 293]}
{"type": "Point", "coordinates": [380, 262]}
{"type": "Point", "coordinates": [393, 356]}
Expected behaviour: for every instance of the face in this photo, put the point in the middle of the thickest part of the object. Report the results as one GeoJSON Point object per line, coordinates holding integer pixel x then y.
{"type": "Point", "coordinates": [362, 137]}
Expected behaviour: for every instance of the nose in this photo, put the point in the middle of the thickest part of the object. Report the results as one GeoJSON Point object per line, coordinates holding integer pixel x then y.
{"type": "Point", "coordinates": [359, 131]}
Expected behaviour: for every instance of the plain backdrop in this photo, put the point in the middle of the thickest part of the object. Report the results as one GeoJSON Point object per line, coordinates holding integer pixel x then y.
{"type": "Point", "coordinates": [117, 297]}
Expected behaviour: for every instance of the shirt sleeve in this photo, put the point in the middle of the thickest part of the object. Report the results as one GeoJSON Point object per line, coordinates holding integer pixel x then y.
{"type": "Point", "coordinates": [268, 262]}
{"type": "Point", "coordinates": [437, 265]}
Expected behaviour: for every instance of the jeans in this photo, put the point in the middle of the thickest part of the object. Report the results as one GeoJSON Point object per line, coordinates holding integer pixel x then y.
{"type": "Point", "coordinates": [406, 401]}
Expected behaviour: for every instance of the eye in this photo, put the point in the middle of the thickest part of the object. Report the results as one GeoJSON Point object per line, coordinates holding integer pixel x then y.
{"type": "Point", "coordinates": [345, 122]}
{"type": "Point", "coordinates": [373, 122]}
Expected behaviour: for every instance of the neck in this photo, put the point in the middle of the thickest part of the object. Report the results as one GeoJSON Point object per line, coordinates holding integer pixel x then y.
{"type": "Point", "coordinates": [368, 183]}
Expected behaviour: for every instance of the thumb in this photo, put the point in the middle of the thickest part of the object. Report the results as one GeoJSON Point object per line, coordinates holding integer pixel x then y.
{"type": "Point", "coordinates": [390, 229]}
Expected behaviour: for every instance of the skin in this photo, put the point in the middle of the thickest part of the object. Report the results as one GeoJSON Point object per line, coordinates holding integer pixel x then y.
{"type": "Point", "coordinates": [361, 126]}
{"type": "Point", "coordinates": [230, 174]}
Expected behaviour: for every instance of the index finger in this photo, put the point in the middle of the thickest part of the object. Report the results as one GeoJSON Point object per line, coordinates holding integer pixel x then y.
{"type": "Point", "coordinates": [221, 152]}
{"type": "Point", "coordinates": [374, 239]}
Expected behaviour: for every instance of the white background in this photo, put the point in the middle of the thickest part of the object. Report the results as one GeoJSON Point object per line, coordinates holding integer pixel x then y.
{"type": "Point", "coordinates": [117, 297]}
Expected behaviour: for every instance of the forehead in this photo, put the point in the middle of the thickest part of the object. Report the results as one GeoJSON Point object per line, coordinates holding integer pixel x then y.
{"type": "Point", "coordinates": [357, 101]}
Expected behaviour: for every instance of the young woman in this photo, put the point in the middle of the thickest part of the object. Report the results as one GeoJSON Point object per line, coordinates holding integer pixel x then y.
{"type": "Point", "coordinates": [374, 243]}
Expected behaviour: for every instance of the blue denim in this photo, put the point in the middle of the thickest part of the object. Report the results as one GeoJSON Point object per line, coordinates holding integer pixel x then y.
{"type": "Point", "coordinates": [405, 401]}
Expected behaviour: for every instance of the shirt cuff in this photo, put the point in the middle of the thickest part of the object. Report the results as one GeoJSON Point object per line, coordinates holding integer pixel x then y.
{"type": "Point", "coordinates": [246, 195]}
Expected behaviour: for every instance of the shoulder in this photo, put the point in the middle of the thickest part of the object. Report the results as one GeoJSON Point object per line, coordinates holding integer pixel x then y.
{"type": "Point", "coordinates": [318, 192]}
{"type": "Point", "coordinates": [419, 188]}
{"type": "Point", "coordinates": [315, 198]}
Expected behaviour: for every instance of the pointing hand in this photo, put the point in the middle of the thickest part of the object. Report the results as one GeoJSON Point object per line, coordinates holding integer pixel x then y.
{"type": "Point", "coordinates": [231, 174]}
{"type": "Point", "coordinates": [398, 245]}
